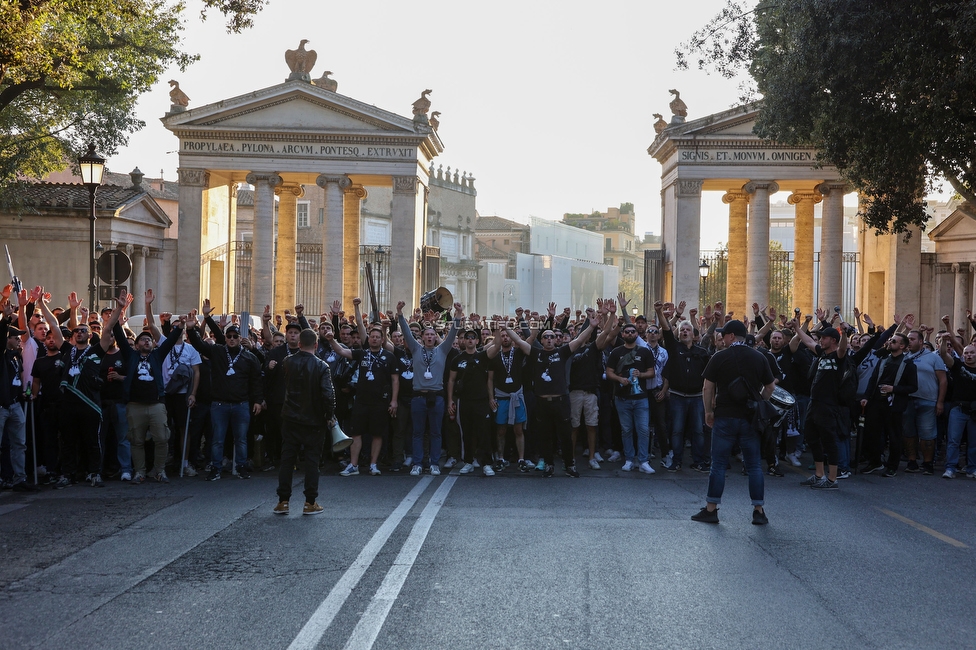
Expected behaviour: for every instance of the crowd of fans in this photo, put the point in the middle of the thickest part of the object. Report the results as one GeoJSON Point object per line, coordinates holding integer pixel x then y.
{"type": "Point", "coordinates": [91, 397]}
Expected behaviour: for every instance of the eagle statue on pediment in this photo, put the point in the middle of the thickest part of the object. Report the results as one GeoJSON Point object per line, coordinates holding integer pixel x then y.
{"type": "Point", "coordinates": [300, 61]}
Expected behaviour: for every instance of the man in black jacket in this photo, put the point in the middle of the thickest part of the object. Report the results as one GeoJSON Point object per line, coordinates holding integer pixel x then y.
{"type": "Point", "coordinates": [309, 405]}
{"type": "Point", "coordinates": [889, 390]}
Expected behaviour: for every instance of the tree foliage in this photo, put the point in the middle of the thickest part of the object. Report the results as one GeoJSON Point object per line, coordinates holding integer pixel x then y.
{"type": "Point", "coordinates": [72, 70]}
{"type": "Point", "coordinates": [884, 89]}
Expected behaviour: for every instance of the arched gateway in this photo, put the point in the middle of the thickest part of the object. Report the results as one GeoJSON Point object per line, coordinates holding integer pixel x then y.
{"type": "Point", "coordinates": [721, 152]}
{"type": "Point", "coordinates": [277, 140]}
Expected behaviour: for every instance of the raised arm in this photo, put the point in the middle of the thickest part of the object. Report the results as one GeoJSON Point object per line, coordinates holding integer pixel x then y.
{"type": "Point", "coordinates": [524, 346]}
{"type": "Point", "coordinates": [52, 321]}
{"type": "Point", "coordinates": [150, 319]}
{"type": "Point", "coordinates": [575, 344]}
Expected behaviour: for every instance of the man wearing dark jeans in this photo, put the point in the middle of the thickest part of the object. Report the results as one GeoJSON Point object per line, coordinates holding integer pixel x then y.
{"type": "Point", "coordinates": [309, 405]}
{"type": "Point", "coordinates": [733, 377]}
{"type": "Point", "coordinates": [888, 392]}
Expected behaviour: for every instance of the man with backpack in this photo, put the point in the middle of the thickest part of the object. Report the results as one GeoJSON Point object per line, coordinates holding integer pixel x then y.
{"type": "Point", "coordinates": [834, 384]}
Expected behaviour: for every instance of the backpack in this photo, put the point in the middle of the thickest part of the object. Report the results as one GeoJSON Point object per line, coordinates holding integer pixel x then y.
{"type": "Point", "coordinates": [181, 375]}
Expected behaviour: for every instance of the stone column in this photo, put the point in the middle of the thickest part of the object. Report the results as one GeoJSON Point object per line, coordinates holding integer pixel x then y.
{"type": "Point", "coordinates": [284, 287]}
{"type": "Point", "coordinates": [332, 237]}
{"type": "Point", "coordinates": [757, 270]}
{"type": "Point", "coordinates": [685, 278]}
{"type": "Point", "coordinates": [193, 183]}
{"type": "Point", "coordinates": [230, 273]}
{"type": "Point", "coordinates": [139, 271]}
{"type": "Point", "coordinates": [831, 290]}
{"type": "Point", "coordinates": [735, 288]}
{"type": "Point", "coordinates": [406, 241]}
{"type": "Point", "coordinates": [135, 288]}
{"type": "Point", "coordinates": [960, 299]}
{"type": "Point", "coordinates": [352, 237]}
{"type": "Point", "coordinates": [972, 287]}
{"type": "Point", "coordinates": [803, 250]}
{"type": "Point", "coordinates": [262, 245]}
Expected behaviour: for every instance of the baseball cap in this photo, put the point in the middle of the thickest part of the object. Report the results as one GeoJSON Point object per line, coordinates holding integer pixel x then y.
{"type": "Point", "coordinates": [735, 327]}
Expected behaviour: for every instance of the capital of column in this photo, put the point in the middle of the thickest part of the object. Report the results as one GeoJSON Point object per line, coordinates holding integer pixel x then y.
{"type": "Point", "coordinates": [144, 251]}
{"type": "Point", "coordinates": [193, 177]}
{"type": "Point", "coordinates": [827, 187]}
{"type": "Point", "coordinates": [735, 195]}
{"type": "Point", "coordinates": [955, 267]}
{"type": "Point", "coordinates": [271, 179]}
{"type": "Point", "coordinates": [689, 187]}
{"type": "Point", "coordinates": [358, 191]}
{"type": "Point", "coordinates": [129, 249]}
{"type": "Point", "coordinates": [752, 186]}
{"type": "Point", "coordinates": [404, 184]}
{"type": "Point", "coordinates": [972, 267]}
{"type": "Point", "coordinates": [800, 197]}
{"type": "Point", "coordinates": [297, 189]}
{"type": "Point", "coordinates": [342, 181]}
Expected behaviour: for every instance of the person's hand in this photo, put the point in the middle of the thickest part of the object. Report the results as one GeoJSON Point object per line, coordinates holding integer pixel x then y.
{"type": "Point", "coordinates": [128, 299]}
{"type": "Point", "coordinates": [149, 297]}
{"type": "Point", "coordinates": [681, 307]}
{"type": "Point", "coordinates": [277, 320]}
{"type": "Point", "coordinates": [492, 404]}
{"type": "Point", "coordinates": [272, 364]}
{"type": "Point", "coordinates": [551, 309]}
{"type": "Point", "coordinates": [755, 308]}
{"type": "Point", "coordinates": [772, 313]}
{"type": "Point", "coordinates": [867, 319]}
{"type": "Point", "coordinates": [969, 314]}
{"type": "Point", "coordinates": [612, 307]}
{"type": "Point", "coordinates": [83, 315]}
{"type": "Point", "coordinates": [336, 307]}
{"type": "Point", "coordinates": [207, 308]}
{"type": "Point", "coordinates": [256, 409]}
{"type": "Point", "coordinates": [393, 408]}
{"type": "Point", "coordinates": [357, 301]}
{"type": "Point", "coordinates": [329, 335]}
{"type": "Point", "coordinates": [8, 309]}
{"type": "Point", "coordinates": [22, 296]}
{"type": "Point", "coordinates": [400, 306]}
{"type": "Point", "coordinates": [73, 301]}
{"type": "Point", "coordinates": [266, 315]}
{"type": "Point", "coordinates": [864, 403]}
{"type": "Point", "coordinates": [191, 400]}
{"type": "Point", "coordinates": [299, 309]}
{"type": "Point", "coordinates": [452, 409]}
{"type": "Point", "coordinates": [7, 290]}
{"type": "Point", "coordinates": [807, 318]}
{"type": "Point", "coordinates": [945, 320]}
{"type": "Point", "coordinates": [857, 313]}
{"type": "Point", "coordinates": [692, 313]}
{"type": "Point", "coordinates": [710, 419]}
{"type": "Point", "coordinates": [622, 299]}
{"type": "Point", "coordinates": [821, 314]}
{"type": "Point", "coordinates": [35, 294]}
{"type": "Point", "coordinates": [910, 321]}
{"type": "Point", "coordinates": [191, 322]}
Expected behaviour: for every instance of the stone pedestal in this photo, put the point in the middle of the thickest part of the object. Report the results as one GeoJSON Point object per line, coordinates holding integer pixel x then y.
{"type": "Point", "coordinates": [333, 237]}
{"type": "Point", "coordinates": [407, 239]}
{"type": "Point", "coordinates": [757, 273]}
{"type": "Point", "coordinates": [831, 290]}
{"type": "Point", "coordinates": [684, 242]}
{"type": "Point", "coordinates": [193, 184]}
{"type": "Point", "coordinates": [960, 295]}
{"type": "Point", "coordinates": [284, 293]}
{"type": "Point", "coordinates": [352, 265]}
{"type": "Point", "coordinates": [262, 245]}
{"type": "Point", "coordinates": [803, 251]}
{"type": "Point", "coordinates": [738, 243]}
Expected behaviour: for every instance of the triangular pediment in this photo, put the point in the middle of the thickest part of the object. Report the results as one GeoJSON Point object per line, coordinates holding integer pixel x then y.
{"type": "Point", "coordinates": [961, 224]}
{"type": "Point", "coordinates": [294, 106]}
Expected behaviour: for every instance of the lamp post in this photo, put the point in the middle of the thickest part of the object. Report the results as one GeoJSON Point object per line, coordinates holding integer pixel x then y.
{"type": "Point", "coordinates": [703, 272]}
{"type": "Point", "coordinates": [92, 165]}
{"type": "Point", "coordinates": [380, 285]}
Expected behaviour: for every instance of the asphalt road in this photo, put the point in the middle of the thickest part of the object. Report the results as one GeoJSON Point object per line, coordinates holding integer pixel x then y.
{"type": "Point", "coordinates": [611, 560]}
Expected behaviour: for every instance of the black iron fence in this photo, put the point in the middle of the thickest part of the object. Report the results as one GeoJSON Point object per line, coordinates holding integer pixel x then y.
{"type": "Point", "coordinates": [309, 275]}
{"type": "Point", "coordinates": [713, 287]}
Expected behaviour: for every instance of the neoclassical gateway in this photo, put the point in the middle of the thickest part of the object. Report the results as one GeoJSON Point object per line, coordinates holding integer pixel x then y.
{"type": "Point", "coordinates": [277, 140]}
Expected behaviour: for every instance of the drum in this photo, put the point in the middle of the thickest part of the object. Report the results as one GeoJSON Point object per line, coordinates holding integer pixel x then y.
{"type": "Point", "coordinates": [783, 401]}
{"type": "Point", "coordinates": [438, 300]}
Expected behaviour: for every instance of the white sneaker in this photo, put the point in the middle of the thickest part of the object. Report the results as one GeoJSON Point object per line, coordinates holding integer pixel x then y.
{"type": "Point", "coordinates": [794, 461]}
{"type": "Point", "coordinates": [614, 457]}
{"type": "Point", "coordinates": [597, 457]}
{"type": "Point", "coordinates": [126, 476]}
{"type": "Point", "coordinates": [594, 463]}
{"type": "Point", "coordinates": [408, 462]}
{"type": "Point", "coordinates": [190, 471]}
{"type": "Point", "coordinates": [451, 462]}
{"type": "Point", "coordinates": [667, 460]}
{"type": "Point", "coordinates": [467, 469]}
{"type": "Point", "coordinates": [627, 466]}
{"type": "Point", "coordinates": [474, 463]}
{"type": "Point", "coordinates": [435, 470]}
{"type": "Point", "coordinates": [488, 470]}
{"type": "Point", "coordinates": [351, 470]}
{"type": "Point", "coordinates": [374, 470]}
{"type": "Point", "coordinates": [416, 470]}
{"type": "Point", "coordinates": [646, 468]}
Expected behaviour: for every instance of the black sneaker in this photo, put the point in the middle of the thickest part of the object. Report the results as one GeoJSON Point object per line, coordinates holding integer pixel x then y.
{"type": "Point", "coordinates": [214, 474]}
{"type": "Point", "coordinates": [888, 473]}
{"type": "Point", "coordinates": [24, 486]}
{"type": "Point", "coordinates": [872, 467]}
{"type": "Point", "coordinates": [243, 473]}
{"type": "Point", "coordinates": [548, 471]}
{"type": "Point", "coordinates": [810, 482]}
{"type": "Point", "coordinates": [928, 469]}
{"type": "Point", "coordinates": [774, 471]}
{"type": "Point", "coordinates": [525, 466]}
{"type": "Point", "coordinates": [675, 467]}
{"type": "Point", "coordinates": [706, 517]}
{"type": "Point", "coordinates": [699, 467]}
{"type": "Point", "coordinates": [759, 518]}
{"type": "Point", "coordinates": [571, 471]}
{"type": "Point", "coordinates": [912, 467]}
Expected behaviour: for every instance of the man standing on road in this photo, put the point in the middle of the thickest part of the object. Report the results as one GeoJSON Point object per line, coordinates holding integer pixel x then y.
{"type": "Point", "coordinates": [628, 366]}
{"type": "Point", "coordinates": [309, 405]}
{"type": "Point", "coordinates": [731, 391]}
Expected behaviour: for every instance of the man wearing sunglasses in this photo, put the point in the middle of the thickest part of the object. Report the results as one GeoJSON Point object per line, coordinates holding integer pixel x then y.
{"type": "Point", "coordinates": [235, 384]}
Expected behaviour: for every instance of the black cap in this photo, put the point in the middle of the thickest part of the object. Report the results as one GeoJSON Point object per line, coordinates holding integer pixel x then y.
{"type": "Point", "coordinates": [142, 334]}
{"type": "Point", "coordinates": [831, 332]}
{"type": "Point", "coordinates": [14, 331]}
{"type": "Point", "coordinates": [232, 328]}
{"type": "Point", "coordinates": [293, 326]}
{"type": "Point", "coordinates": [736, 327]}
{"type": "Point", "coordinates": [640, 317]}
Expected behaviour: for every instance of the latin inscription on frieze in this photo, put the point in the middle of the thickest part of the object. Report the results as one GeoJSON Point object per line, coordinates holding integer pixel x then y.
{"type": "Point", "coordinates": [298, 149]}
{"type": "Point", "coordinates": [746, 156]}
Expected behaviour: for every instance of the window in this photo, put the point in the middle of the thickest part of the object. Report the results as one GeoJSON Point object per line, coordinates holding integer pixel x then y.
{"type": "Point", "coordinates": [506, 242]}
{"type": "Point", "coordinates": [609, 244]}
{"type": "Point", "coordinates": [321, 216]}
{"type": "Point", "coordinates": [303, 207]}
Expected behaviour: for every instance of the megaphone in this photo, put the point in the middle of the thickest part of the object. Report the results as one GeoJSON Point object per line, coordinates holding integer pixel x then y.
{"type": "Point", "coordinates": [339, 440]}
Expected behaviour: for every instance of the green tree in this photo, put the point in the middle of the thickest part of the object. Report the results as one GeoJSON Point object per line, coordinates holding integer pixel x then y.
{"type": "Point", "coordinates": [72, 70]}
{"type": "Point", "coordinates": [884, 89]}
{"type": "Point", "coordinates": [626, 208]}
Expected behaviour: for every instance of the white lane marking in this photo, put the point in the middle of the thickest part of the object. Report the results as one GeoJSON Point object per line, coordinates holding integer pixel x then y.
{"type": "Point", "coordinates": [372, 621]}
{"type": "Point", "coordinates": [315, 628]}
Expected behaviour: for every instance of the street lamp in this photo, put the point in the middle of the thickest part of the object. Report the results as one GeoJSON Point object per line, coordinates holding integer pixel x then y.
{"type": "Point", "coordinates": [380, 285]}
{"type": "Point", "coordinates": [92, 165]}
{"type": "Point", "coordinates": [703, 272]}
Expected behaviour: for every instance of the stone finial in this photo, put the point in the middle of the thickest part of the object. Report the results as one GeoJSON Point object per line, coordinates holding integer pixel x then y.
{"type": "Point", "coordinates": [421, 106]}
{"type": "Point", "coordinates": [660, 124]}
{"type": "Point", "coordinates": [434, 122]}
{"type": "Point", "coordinates": [440, 172]}
{"type": "Point", "coordinates": [300, 62]}
{"type": "Point", "coordinates": [679, 110]}
{"type": "Point", "coordinates": [325, 82]}
{"type": "Point", "coordinates": [136, 177]}
{"type": "Point", "coordinates": [178, 100]}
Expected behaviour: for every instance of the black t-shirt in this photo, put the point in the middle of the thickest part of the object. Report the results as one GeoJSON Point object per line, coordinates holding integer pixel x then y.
{"type": "Point", "coordinates": [82, 374]}
{"type": "Point", "coordinates": [49, 370]}
{"type": "Point", "coordinates": [143, 390]}
{"type": "Point", "coordinates": [827, 378]}
{"type": "Point", "coordinates": [507, 366]}
{"type": "Point", "coordinates": [586, 368]}
{"type": "Point", "coordinates": [406, 372]}
{"type": "Point", "coordinates": [622, 360]}
{"type": "Point", "coordinates": [112, 390]}
{"type": "Point", "coordinates": [730, 364]}
{"type": "Point", "coordinates": [963, 382]}
{"type": "Point", "coordinates": [375, 372]}
{"type": "Point", "coordinates": [472, 375]}
{"type": "Point", "coordinates": [549, 370]}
